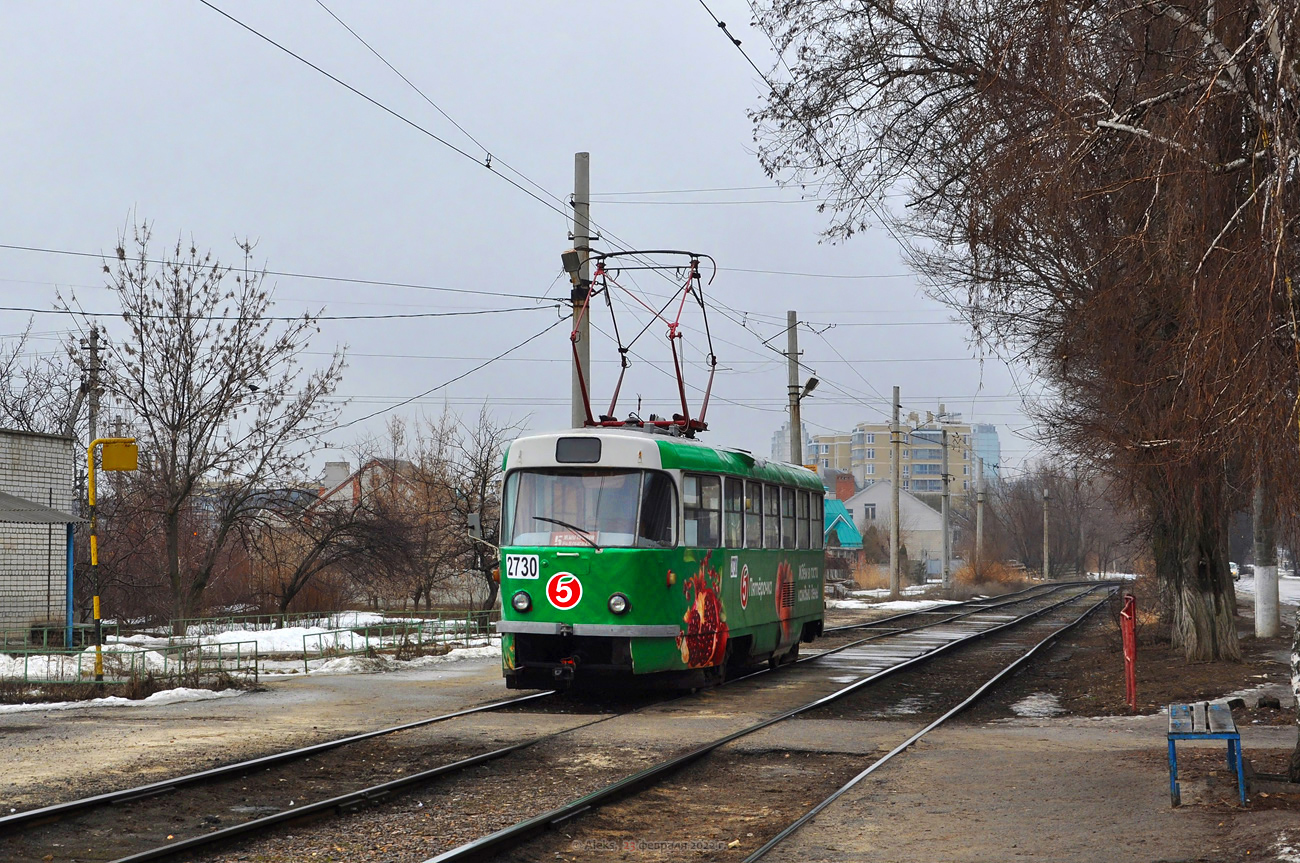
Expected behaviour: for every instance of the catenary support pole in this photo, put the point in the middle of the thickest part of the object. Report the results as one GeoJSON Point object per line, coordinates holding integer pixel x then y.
{"type": "Point", "coordinates": [979, 514]}
{"type": "Point", "coordinates": [1047, 565]}
{"type": "Point", "coordinates": [1268, 622]}
{"type": "Point", "coordinates": [582, 243]}
{"type": "Point", "coordinates": [792, 368]}
{"type": "Point", "coordinates": [895, 474]}
{"type": "Point", "coordinates": [947, 510]}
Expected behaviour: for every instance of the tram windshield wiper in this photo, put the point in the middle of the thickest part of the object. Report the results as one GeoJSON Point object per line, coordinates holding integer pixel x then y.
{"type": "Point", "coordinates": [581, 532]}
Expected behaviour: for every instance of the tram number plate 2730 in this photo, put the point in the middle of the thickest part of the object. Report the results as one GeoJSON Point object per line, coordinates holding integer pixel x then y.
{"type": "Point", "coordinates": [521, 566]}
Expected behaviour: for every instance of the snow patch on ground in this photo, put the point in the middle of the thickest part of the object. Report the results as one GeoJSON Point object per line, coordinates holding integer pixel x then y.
{"type": "Point", "coordinates": [1251, 695]}
{"type": "Point", "coordinates": [1286, 848]}
{"type": "Point", "coordinates": [911, 590]}
{"type": "Point", "coordinates": [1040, 705]}
{"type": "Point", "coordinates": [905, 707]}
{"type": "Point", "coordinates": [166, 696]}
{"type": "Point", "coordinates": [377, 664]}
{"type": "Point", "coordinates": [895, 605]}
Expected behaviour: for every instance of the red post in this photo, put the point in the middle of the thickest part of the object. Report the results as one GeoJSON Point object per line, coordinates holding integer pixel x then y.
{"type": "Point", "coordinates": [1128, 628]}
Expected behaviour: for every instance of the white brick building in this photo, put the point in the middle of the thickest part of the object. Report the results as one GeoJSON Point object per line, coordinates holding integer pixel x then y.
{"type": "Point", "coordinates": [39, 468]}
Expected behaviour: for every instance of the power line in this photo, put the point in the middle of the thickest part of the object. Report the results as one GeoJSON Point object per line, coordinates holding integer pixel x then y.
{"type": "Point", "coordinates": [380, 105]}
{"type": "Point", "coordinates": [488, 156]}
{"type": "Point", "coordinates": [293, 275]}
{"type": "Point", "coordinates": [816, 142]}
{"type": "Point", "coordinates": [819, 275]}
{"type": "Point", "coordinates": [303, 316]}
{"type": "Point", "coordinates": [448, 383]}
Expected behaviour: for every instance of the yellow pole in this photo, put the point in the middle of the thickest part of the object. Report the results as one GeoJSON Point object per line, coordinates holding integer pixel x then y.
{"type": "Point", "coordinates": [94, 544]}
{"type": "Point", "coordinates": [94, 560]}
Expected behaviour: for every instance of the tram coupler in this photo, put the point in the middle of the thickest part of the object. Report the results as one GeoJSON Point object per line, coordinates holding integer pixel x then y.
{"type": "Point", "coordinates": [563, 672]}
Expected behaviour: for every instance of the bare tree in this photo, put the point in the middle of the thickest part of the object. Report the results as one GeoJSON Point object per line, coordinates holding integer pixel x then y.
{"type": "Point", "coordinates": [40, 391]}
{"type": "Point", "coordinates": [1105, 190]}
{"type": "Point", "coordinates": [295, 538]}
{"type": "Point", "coordinates": [222, 406]}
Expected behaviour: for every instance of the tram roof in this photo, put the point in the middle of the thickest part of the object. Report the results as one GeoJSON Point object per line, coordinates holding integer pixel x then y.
{"type": "Point", "coordinates": [676, 453]}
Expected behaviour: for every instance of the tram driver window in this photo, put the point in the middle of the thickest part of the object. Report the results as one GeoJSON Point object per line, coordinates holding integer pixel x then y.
{"type": "Point", "coordinates": [702, 505]}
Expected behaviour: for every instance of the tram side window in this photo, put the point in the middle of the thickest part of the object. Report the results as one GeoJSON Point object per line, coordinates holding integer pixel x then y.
{"type": "Point", "coordinates": [771, 517]}
{"type": "Point", "coordinates": [801, 511]}
{"type": "Point", "coordinates": [702, 504]}
{"type": "Point", "coordinates": [753, 514]}
{"type": "Point", "coordinates": [733, 516]}
{"type": "Point", "coordinates": [787, 518]}
{"type": "Point", "coordinates": [818, 506]}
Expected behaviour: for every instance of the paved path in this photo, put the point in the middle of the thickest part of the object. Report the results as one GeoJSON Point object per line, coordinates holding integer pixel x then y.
{"type": "Point", "coordinates": [73, 753]}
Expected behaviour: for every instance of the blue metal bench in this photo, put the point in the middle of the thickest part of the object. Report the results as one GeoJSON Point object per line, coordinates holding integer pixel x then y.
{"type": "Point", "coordinates": [1204, 720]}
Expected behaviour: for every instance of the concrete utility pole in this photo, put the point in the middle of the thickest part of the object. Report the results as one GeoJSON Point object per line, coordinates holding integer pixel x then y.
{"type": "Point", "coordinates": [1047, 566]}
{"type": "Point", "coordinates": [979, 513]}
{"type": "Point", "coordinates": [895, 474]}
{"type": "Point", "coordinates": [1268, 622]}
{"type": "Point", "coordinates": [582, 243]}
{"type": "Point", "coordinates": [93, 373]}
{"type": "Point", "coordinates": [792, 366]}
{"type": "Point", "coordinates": [947, 530]}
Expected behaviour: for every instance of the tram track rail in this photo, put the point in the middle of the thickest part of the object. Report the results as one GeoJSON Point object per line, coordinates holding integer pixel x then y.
{"type": "Point", "coordinates": [53, 812]}
{"type": "Point", "coordinates": [351, 800]}
{"type": "Point", "coordinates": [510, 837]}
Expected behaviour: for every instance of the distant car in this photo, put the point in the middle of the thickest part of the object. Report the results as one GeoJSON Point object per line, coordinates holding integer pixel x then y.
{"type": "Point", "coordinates": [1247, 569]}
{"type": "Point", "coordinates": [1236, 570]}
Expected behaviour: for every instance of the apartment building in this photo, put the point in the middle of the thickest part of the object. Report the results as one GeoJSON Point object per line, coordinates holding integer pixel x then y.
{"type": "Point", "coordinates": [781, 444]}
{"type": "Point", "coordinates": [867, 454]}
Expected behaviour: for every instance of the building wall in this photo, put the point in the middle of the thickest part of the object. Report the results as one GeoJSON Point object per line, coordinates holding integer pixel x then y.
{"type": "Point", "coordinates": [831, 451]}
{"type": "Point", "coordinates": [867, 454]}
{"type": "Point", "coordinates": [920, 526]}
{"type": "Point", "coordinates": [984, 440]}
{"type": "Point", "coordinates": [781, 444]}
{"type": "Point", "coordinates": [42, 469]}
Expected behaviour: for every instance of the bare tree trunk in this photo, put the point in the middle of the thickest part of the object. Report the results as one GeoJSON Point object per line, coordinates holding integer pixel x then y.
{"type": "Point", "coordinates": [172, 533]}
{"type": "Point", "coordinates": [1295, 688]}
{"type": "Point", "coordinates": [1191, 555]}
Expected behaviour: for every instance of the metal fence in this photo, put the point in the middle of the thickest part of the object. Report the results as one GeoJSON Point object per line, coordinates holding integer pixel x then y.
{"type": "Point", "coordinates": [387, 638]}
{"type": "Point", "coordinates": [473, 620]}
{"type": "Point", "coordinates": [47, 637]}
{"type": "Point", "coordinates": [170, 662]}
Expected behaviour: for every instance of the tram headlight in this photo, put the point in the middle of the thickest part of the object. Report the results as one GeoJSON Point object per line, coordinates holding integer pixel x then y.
{"type": "Point", "coordinates": [521, 601]}
{"type": "Point", "coordinates": [618, 604]}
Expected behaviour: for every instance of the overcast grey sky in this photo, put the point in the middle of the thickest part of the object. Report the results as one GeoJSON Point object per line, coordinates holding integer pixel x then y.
{"type": "Point", "coordinates": [172, 112]}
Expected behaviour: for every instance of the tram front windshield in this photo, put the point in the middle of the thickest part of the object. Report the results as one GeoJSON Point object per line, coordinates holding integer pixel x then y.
{"type": "Point", "coordinates": [605, 508]}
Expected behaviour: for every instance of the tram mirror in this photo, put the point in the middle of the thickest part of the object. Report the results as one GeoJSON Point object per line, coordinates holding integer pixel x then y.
{"type": "Point", "coordinates": [475, 525]}
{"type": "Point", "coordinates": [572, 261]}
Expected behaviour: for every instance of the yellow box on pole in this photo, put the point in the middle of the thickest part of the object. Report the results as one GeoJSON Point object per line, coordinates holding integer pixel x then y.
{"type": "Point", "coordinates": [120, 455]}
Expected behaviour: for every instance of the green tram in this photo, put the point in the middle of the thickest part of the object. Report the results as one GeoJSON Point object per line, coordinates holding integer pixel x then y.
{"type": "Point", "coordinates": [626, 552]}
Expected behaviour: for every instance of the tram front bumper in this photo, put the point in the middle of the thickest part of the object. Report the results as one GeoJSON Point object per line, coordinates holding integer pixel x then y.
{"type": "Point", "coordinates": [607, 630]}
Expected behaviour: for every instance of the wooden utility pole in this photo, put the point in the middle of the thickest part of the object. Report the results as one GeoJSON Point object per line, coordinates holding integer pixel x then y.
{"type": "Point", "coordinates": [582, 244]}
{"type": "Point", "coordinates": [792, 368]}
{"type": "Point", "coordinates": [895, 474]}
